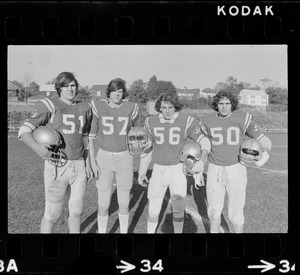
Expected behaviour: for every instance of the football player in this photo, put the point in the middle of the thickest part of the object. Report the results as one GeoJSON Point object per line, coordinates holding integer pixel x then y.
{"type": "Point", "coordinates": [72, 122]}
{"type": "Point", "coordinates": [111, 121]}
{"type": "Point", "coordinates": [169, 130]}
{"type": "Point", "coordinates": [227, 129]}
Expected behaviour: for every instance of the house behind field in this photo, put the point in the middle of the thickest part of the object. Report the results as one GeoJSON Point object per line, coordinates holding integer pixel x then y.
{"type": "Point", "coordinates": [188, 94]}
{"type": "Point", "coordinates": [13, 91]}
{"type": "Point", "coordinates": [150, 107]}
{"type": "Point", "coordinates": [207, 95]}
{"type": "Point", "coordinates": [257, 99]}
{"type": "Point", "coordinates": [98, 92]}
{"type": "Point", "coordinates": [47, 90]}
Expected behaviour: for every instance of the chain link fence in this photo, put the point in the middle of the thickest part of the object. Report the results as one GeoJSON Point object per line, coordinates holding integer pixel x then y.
{"type": "Point", "coordinates": [15, 120]}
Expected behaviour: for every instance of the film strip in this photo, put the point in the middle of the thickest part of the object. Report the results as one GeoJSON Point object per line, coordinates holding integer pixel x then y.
{"type": "Point", "coordinates": [151, 23]}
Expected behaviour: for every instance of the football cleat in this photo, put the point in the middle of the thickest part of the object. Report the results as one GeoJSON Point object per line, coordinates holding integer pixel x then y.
{"type": "Point", "coordinates": [250, 151]}
{"type": "Point", "coordinates": [51, 138]}
{"type": "Point", "coordinates": [189, 155]}
{"type": "Point", "coordinates": [137, 140]}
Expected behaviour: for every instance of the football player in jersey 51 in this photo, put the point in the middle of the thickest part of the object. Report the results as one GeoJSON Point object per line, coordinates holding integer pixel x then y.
{"type": "Point", "coordinates": [112, 120]}
{"type": "Point", "coordinates": [227, 129]}
{"type": "Point", "coordinates": [57, 132]}
{"type": "Point", "coordinates": [169, 130]}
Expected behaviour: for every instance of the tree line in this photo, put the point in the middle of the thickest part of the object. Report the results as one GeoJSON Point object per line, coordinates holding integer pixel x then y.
{"type": "Point", "coordinates": [140, 91]}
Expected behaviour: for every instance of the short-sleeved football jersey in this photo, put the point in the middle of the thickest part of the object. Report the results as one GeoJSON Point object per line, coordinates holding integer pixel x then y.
{"type": "Point", "coordinates": [169, 138]}
{"type": "Point", "coordinates": [111, 125]}
{"type": "Point", "coordinates": [71, 121]}
{"type": "Point", "coordinates": [227, 134]}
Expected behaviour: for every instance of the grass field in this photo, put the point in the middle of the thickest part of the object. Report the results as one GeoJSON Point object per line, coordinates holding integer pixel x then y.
{"type": "Point", "coordinates": [266, 209]}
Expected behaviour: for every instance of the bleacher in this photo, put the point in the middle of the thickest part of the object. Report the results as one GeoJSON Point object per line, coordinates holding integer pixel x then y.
{"type": "Point", "coordinates": [269, 122]}
{"type": "Point", "coordinates": [266, 121]}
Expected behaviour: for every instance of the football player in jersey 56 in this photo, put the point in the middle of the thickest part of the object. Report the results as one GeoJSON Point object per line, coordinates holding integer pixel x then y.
{"type": "Point", "coordinates": [112, 120]}
{"type": "Point", "coordinates": [57, 132]}
{"type": "Point", "coordinates": [227, 129]}
{"type": "Point", "coordinates": [169, 130]}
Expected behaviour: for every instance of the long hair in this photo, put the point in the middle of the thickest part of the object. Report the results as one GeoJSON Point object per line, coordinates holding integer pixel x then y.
{"type": "Point", "coordinates": [64, 79]}
{"type": "Point", "coordinates": [220, 95]}
{"type": "Point", "coordinates": [115, 85]}
{"type": "Point", "coordinates": [171, 98]}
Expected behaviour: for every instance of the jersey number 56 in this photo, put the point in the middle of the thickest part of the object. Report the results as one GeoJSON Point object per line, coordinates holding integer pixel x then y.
{"type": "Point", "coordinates": [174, 135]}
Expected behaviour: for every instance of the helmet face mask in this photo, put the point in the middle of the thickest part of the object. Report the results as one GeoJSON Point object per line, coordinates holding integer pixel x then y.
{"type": "Point", "coordinates": [189, 155]}
{"type": "Point", "coordinates": [250, 151]}
{"type": "Point", "coordinates": [58, 157]}
{"type": "Point", "coordinates": [136, 140]}
{"type": "Point", "coordinates": [51, 139]}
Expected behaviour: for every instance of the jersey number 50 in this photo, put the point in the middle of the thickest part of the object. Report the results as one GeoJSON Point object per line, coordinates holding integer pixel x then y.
{"type": "Point", "coordinates": [231, 132]}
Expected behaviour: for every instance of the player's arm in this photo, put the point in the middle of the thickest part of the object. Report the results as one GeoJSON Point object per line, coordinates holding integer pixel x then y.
{"type": "Point", "coordinates": [146, 157]}
{"type": "Point", "coordinates": [196, 133]}
{"type": "Point", "coordinates": [86, 149]}
{"type": "Point", "coordinates": [86, 155]}
{"type": "Point", "coordinates": [145, 160]}
{"type": "Point", "coordinates": [253, 132]}
{"type": "Point", "coordinates": [39, 149]}
{"type": "Point", "coordinates": [205, 145]}
{"type": "Point", "coordinates": [135, 115]}
{"type": "Point", "coordinates": [85, 132]}
{"type": "Point", "coordinates": [266, 145]}
{"type": "Point", "coordinates": [205, 148]}
{"type": "Point", "coordinates": [92, 138]}
{"type": "Point", "coordinates": [93, 162]}
{"type": "Point", "coordinates": [91, 142]}
{"type": "Point", "coordinates": [41, 116]}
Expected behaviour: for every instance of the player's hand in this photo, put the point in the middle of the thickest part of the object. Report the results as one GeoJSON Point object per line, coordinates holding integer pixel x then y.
{"type": "Point", "coordinates": [241, 162]}
{"type": "Point", "coordinates": [89, 172]}
{"type": "Point", "coordinates": [143, 180]}
{"type": "Point", "coordinates": [96, 169]}
{"type": "Point", "coordinates": [42, 151]}
{"type": "Point", "coordinates": [199, 180]}
{"type": "Point", "coordinates": [264, 158]}
{"type": "Point", "coordinates": [148, 147]}
{"type": "Point", "coordinates": [198, 167]}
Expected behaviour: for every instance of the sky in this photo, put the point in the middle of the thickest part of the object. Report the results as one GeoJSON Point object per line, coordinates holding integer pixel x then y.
{"type": "Point", "coordinates": [190, 66]}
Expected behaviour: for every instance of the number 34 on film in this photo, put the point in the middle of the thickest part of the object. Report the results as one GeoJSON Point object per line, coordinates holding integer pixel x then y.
{"type": "Point", "coordinates": [147, 266]}
{"type": "Point", "coordinates": [8, 266]}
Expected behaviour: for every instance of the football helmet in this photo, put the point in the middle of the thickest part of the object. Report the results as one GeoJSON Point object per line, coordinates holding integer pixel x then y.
{"type": "Point", "coordinates": [189, 154]}
{"type": "Point", "coordinates": [136, 140]}
{"type": "Point", "coordinates": [250, 151]}
{"type": "Point", "coordinates": [51, 138]}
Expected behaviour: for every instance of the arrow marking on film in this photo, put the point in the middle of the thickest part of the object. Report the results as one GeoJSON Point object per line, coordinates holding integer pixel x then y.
{"type": "Point", "coordinates": [125, 267]}
{"type": "Point", "coordinates": [266, 266]}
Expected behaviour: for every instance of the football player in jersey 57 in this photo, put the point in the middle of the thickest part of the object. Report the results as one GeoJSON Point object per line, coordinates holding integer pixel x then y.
{"type": "Point", "coordinates": [57, 132]}
{"type": "Point", "coordinates": [112, 120]}
{"type": "Point", "coordinates": [227, 129]}
{"type": "Point", "coordinates": [168, 131]}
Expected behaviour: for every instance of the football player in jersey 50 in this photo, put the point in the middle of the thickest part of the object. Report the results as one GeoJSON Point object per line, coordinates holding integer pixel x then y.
{"type": "Point", "coordinates": [57, 132]}
{"type": "Point", "coordinates": [227, 129]}
{"type": "Point", "coordinates": [111, 121]}
{"type": "Point", "coordinates": [169, 130]}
